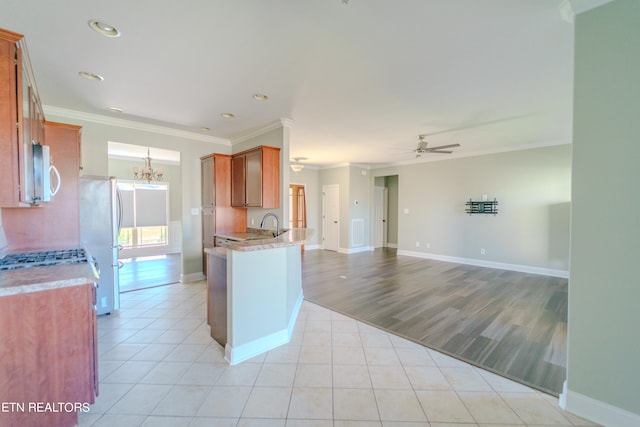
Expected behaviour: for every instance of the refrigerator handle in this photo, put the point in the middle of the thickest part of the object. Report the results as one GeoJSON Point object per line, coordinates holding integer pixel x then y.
{"type": "Point", "coordinates": [119, 201]}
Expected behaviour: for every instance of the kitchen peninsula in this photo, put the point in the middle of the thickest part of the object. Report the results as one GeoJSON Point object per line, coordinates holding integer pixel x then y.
{"type": "Point", "coordinates": [254, 291]}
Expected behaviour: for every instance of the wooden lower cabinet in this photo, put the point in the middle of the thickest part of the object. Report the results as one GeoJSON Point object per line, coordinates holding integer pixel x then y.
{"type": "Point", "coordinates": [48, 358]}
{"type": "Point", "coordinates": [217, 297]}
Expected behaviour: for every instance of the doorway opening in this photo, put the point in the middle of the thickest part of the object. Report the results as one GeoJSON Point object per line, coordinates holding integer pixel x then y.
{"type": "Point", "coordinates": [150, 239]}
{"type": "Point", "coordinates": [385, 211]}
{"type": "Point", "coordinates": [297, 206]}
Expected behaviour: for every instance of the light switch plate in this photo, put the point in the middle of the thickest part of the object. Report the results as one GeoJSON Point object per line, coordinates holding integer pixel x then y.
{"type": "Point", "coordinates": [195, 211]}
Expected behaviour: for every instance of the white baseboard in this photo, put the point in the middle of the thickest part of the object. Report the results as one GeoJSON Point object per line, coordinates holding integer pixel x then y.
{"type": "Point", "coordinates": [241, 353]}
{"type": "Point", "coordinates": [596, 411]}
{"type": "Point", "coordinates": [192, 277]}
{"type": "Point", "coordinates": [312, 247]}
{"type": "Point", "coordinates": [489, 264]}
{"type": "Point", "coordinates": [294, 314]}
{"type": "Point", "coordinates": [355, 250]}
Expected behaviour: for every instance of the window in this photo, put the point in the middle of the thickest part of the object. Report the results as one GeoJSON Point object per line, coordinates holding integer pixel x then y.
{"type": "Point", "coordinates": [144, 214]}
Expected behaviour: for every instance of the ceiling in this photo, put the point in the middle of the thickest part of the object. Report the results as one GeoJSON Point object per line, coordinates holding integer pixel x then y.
{"type": "Point", "coordinates": [359, 79]}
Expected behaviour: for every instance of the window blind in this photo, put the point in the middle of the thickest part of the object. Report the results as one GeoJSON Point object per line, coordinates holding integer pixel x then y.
{"type": "Point", "coordinates": [151, 207]}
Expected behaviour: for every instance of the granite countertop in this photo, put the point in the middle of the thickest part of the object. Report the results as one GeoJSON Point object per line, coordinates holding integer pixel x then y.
{"type": "Point", "coordinates": [251, 241]}
{"type": "Point", "coordinates": [33, 279]}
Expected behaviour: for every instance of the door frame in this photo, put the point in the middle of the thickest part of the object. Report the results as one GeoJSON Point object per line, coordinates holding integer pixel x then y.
{"type": "Point", "coordinates": [325, 220]}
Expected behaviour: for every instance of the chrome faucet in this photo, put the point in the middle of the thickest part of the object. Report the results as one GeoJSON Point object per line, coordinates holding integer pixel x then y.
{"type": "Point", "coordinates": [264, 218]}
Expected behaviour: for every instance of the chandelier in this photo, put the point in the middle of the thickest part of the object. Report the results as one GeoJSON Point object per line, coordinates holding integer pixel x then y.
{"type": "Point", "coordinates": [297, 167]}
{"type": "Point", "coordinates": [147, 173]}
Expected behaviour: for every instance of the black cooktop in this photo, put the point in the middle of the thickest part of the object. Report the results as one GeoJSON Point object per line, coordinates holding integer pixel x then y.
{"type": "Point", "coordinates": [43, 258]}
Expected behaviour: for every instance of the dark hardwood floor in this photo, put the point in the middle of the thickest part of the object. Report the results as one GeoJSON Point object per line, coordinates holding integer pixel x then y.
{"type": "Point", "coordinates": [510, 323]}
{"type": "Point", "coordinates": [148, 272]}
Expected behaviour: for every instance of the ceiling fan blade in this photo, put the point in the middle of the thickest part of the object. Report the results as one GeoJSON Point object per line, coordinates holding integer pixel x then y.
{"type": "Point", "coordinates": [440, 151]}
{"type": "Point", "coordinates": [443, 146]}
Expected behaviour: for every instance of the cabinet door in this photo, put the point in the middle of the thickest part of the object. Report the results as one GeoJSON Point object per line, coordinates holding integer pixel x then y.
{"type": "Point", "coordinates": [47, 352]}
{"type": "Point", "coordinates": [208, 187]}
{"type": "Point", "coordinates": [208, 231]}
{"type": "Point", "coordinates": [222, 181]}
{"type": "Point", "coordinates": [237, 181]}
{"type": "Point", "coordinates": [208, 227]}
{"type": "Point", "coordinates": [253, 178]}
{"type": "Point", "coordinates": [10, 89]}
{"type": "Point", "coordinates": [270, 177]}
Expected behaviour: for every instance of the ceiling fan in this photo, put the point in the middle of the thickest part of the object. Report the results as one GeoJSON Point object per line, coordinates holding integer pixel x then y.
{"type": "Point", "coordinates": [423, 148]}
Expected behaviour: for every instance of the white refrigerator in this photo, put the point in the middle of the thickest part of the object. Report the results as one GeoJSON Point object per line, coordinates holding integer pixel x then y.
{"type": "Point", "coordinates": [100, 219]}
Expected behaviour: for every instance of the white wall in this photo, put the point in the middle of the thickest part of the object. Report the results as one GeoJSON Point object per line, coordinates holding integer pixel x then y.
{"type": "Point", "coordinates": [360, 196]}
{"type": "Point", "coordinates": [603, 374]}
{"type": "Point", "coordinates": [533, 191]}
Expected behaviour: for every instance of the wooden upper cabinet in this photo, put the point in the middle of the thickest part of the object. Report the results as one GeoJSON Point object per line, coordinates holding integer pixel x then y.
{"type": "Point", "coordinates": [237, 181]}
{"type": "Point", "coordinates": [21, 121]}
{"type": "Point", "coordinates": [11, 118]}
{"type": "Point", "coordinates": [253, 178]}
{"type": "Point", "coordinates": [256, 178]}
{"type": "Point", "coordinates": [208, 187]}
{"type": "Point", "coordinates": [222, 180]}
{"type": "Point", "coordinates": [216, 180]}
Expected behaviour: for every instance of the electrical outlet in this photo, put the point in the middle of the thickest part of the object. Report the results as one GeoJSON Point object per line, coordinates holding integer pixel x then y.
{"type": "Point", "coordinates": [482, 251]}
{"type": "Point", "coordinates": [428, 245]}
{"type": "Point", "coordinates": [417, 244]}
{"type": "Point", "coordinates": [253, 221]}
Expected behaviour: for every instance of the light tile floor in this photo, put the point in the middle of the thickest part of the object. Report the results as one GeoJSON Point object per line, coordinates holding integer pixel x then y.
{"type": "Point", "coordinates": [159, 367]}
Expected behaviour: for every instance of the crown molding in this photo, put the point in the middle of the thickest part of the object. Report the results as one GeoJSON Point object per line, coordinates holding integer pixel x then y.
{"type": "Point", "coordinates": [283, 122]}
{"type": "Point", "coordinates": [130, 124]}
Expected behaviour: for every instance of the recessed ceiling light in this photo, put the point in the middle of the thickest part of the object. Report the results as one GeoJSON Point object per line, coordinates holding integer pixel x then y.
{"type": "Point", "coordinates": [115, 109]}
{"type": "Point", "coordinates": [228, 115]}
{"type": "Point", "coordinates": [206, 129]}
{"type": "Point", "coordinates": [104, 29]}
{"type": "Point", "coordinates": [90, 76]}
{"type": "Point", "coordinates": [260, 97]}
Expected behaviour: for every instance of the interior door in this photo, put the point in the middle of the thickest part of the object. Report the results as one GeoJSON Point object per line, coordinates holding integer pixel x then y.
{"type": "Point", "coordinates": [380, 204]}
{"type": "Point", "coordinates": [331, 216]}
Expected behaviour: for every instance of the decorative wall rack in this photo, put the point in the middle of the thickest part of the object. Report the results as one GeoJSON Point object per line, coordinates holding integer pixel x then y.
{"type": "Point", "coordinates": [482, 207]}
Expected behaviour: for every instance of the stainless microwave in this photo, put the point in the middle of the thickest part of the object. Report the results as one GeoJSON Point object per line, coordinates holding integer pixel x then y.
{"type": "Point", "coordinates": [39, 184]}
